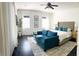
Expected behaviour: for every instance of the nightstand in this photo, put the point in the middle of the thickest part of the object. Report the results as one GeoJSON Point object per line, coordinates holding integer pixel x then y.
{"type": "Point", "coordinates": [74, 35]}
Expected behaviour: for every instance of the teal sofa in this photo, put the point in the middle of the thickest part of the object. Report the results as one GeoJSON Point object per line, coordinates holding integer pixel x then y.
{"type": "Point", "coordinates": [47, 39]}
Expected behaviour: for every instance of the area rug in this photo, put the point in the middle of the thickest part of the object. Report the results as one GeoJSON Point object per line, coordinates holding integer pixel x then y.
{"type": "Point", "coordinates": [62, 50]}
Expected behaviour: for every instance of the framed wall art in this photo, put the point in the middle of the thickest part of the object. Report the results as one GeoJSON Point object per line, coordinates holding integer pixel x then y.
{"type": "Point", "coordinates": [36, 21]}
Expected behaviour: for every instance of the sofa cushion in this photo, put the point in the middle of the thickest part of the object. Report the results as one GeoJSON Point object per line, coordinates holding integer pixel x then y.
{"type": "Point", "coordinates": [51, 33]}
{"type": "Point", "coordinates": [44, 32]}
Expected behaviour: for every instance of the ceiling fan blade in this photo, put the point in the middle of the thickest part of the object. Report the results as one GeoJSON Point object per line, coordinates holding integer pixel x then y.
{"type": "Point", "coordinates": [51, 7]}
{"type": "Point", "coordinates": [55, 5]}
{"type": "Point", "coordinates": [46, 7]}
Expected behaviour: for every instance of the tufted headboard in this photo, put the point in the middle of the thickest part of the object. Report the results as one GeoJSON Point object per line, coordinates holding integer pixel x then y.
{"type": "Point", "coordinates": [67, 24]}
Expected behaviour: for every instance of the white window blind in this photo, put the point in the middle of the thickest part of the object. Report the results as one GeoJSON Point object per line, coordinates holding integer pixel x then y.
{"type": "Point", "coordinates": [26, 22]}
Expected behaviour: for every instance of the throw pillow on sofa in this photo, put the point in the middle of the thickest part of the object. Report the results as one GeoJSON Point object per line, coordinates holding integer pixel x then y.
{"type": "Point", "coordinates": [44, 32]}
{"type": "Point", "coordinates": [51, 33]}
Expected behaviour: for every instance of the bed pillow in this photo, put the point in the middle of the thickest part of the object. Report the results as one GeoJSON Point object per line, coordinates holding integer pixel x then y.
{"type": "Point", "coordinates": [57, 28]}
{"type": "Point", "coordinates": [69, 30]}
{"type": "Point", "coordinates": [65, 29]}
{"type": "Point", "coordinates": [61, 28]}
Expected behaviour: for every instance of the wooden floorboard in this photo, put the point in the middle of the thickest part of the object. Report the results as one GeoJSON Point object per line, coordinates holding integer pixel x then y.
{"type": "Point", "coordinates": [23, 48]}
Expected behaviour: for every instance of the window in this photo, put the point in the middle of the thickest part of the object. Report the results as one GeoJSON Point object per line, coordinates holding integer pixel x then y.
{"type": "Point", "coordinates": [45, 23]}
{"type": "Point", "coordinates": [26, 22]}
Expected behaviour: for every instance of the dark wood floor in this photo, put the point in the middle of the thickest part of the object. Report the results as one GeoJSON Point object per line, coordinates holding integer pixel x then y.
{"type": "Point", "coordinates": [24, 48]}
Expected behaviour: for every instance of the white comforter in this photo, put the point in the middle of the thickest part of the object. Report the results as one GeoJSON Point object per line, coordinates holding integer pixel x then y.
{"type": "Point", "coordinates": [62, 34]}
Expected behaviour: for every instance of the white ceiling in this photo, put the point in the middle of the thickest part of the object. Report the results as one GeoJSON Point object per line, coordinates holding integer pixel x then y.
{"type": "Point", "coordinates": [38, 5]}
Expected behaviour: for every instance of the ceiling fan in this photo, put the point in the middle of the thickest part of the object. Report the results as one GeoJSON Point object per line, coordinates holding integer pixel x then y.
{"type": "Point", "coordinates": [49, 5]}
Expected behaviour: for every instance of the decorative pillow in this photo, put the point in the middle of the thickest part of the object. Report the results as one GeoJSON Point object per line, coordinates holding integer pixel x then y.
{"type": "Point", "coordinates": [44, 32]}
{"type": "Point", "coordinates": [61, 28]}
{"type": "Point", "coordinates": [56, 28]}
{"type": "Point", "coordinates": [69, 30]}
{"type": "Point", "coordinates": [39, 32]}
{"type": "Point", "coordinates": [65, 29]}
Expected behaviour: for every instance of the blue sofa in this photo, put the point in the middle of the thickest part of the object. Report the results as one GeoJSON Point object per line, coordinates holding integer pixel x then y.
{"type": "Point", "coordinates": [47, 39]}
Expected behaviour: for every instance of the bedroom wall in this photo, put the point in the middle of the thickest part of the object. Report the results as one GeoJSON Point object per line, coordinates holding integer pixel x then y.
{"type": "Point", "coordinates": [65, 14]}
{"type": "Point", "coordinates": [32, 13]}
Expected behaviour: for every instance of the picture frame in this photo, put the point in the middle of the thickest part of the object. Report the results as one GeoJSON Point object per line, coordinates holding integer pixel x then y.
{"type": "Point", "coordinates": [36, 21]}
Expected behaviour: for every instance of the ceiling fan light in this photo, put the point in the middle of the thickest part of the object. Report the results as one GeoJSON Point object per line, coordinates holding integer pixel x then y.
{"type": "Point", "coordinates": [49, 10]}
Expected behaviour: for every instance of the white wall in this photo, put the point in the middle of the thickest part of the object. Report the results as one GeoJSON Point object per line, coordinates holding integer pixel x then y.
{"type": "Point", "coordinates": [32, 13]}
{"type": "Point", "coordinates": [70, 14]}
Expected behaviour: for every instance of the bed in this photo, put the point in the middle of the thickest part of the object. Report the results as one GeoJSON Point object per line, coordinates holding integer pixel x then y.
{"type": "Point", "coordinates": [64, 36]}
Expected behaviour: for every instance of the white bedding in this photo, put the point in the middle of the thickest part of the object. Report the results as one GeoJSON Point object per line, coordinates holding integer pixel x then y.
{"type": "Point", "coordinates": [62, 34]}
